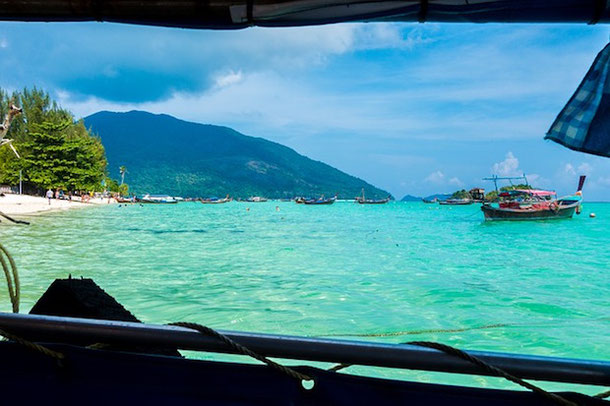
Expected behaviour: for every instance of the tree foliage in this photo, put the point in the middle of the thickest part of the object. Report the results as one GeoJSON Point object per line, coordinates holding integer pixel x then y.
{"type": "Point", "coordinates": [461, 194]}
{"type": "Point", "coordinates": [56, 150]}
{"type": "Point", "coordinates": [493, 195]}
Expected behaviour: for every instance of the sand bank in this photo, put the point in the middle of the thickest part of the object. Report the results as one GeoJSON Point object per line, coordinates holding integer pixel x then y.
{"type": "Point", "coordinates": [23, 204]}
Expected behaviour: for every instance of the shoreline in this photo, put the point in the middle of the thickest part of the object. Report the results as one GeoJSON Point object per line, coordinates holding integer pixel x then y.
{"type": "Point", "coordinates": [27, 205]}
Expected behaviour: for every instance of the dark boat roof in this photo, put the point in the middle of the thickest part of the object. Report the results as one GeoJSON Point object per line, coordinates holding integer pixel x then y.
{"type": "Point", "coordinates": [233, 14]}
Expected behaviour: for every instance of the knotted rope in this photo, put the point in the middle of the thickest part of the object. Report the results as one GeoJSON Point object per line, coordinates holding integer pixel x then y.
{"type": "Point", "coordinates": [240, 349]}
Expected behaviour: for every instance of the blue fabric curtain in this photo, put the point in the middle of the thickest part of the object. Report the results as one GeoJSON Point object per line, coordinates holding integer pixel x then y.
{"type": "Point", "coordinates": [584, 123]}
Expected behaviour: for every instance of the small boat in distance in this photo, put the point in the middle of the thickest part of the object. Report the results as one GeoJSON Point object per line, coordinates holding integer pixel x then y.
{"type": "Point", "coordinates": [320, 201]}
{"type": "Point", "coordinates": [156, 199]}
{"type": "Point", "coordinates": [215, 200]}
{"type": "Point", "coordinates": [456, 202]}
{"type": "Point", "coordinates": [532, 204]}
{"type": "Point", "coordinates": [256, 199]}
{"type": "Point", "coordinates": [363, 200]}
{"type": "Point", "coordinates": [435, 200]}
{"type": "Point", "coordinates": [125, 200]}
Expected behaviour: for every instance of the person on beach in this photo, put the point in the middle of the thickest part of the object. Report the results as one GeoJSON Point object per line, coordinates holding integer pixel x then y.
{"type": "Point", "coordinates": [49, 195]}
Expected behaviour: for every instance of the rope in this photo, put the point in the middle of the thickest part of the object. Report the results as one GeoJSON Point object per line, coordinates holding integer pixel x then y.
{"type": "Point", "coordinates": [12, 278]}
{"type": "Point", "coordinates": [14, 291]}
{"type": "Point", "coordinates": [493, 370]}
{"type": "Point", "coordinates": [486, 367]}
{"type": "Point", "coordinates": [240, 349]}
{"type": "Point", "coordinates": [602, 395]}
{"type": "Point", "coordinates": [33, 346]}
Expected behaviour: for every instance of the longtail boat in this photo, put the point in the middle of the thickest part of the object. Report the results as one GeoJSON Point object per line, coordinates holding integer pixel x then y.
{"type": "Point", "coordinates": [215, 200]}
{"type": "Point", "coordinates": [363, 200]}
{"type": "Point", "coordinates": [121, 199]}
{"type": "Point", "coordinates": [256, 199]}
{"type": "Point", "coordinates": [532, 204]}
{"type": "Point", "coordinates": [456, 202]}
{"type": "Point", "coordinates": [320, 201]}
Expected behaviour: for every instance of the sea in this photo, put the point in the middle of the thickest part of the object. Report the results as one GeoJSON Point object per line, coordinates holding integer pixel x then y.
{"type": "Point", "coordinates": [387, 273]}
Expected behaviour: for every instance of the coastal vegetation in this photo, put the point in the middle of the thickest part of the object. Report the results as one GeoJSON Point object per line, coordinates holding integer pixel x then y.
{"type": "Point", "coordinates": [493, 195]}
{"type": "Point", "coordinates": [57, 151]}
{"type": "Point", "coordinates": [461, 194]}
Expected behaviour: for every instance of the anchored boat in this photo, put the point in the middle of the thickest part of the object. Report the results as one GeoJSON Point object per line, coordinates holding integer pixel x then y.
{"type": "Point", "coordinates": [532, 204]}
{"type": "Point", "coordinates": [216, 200]}
{"type": "Point", "coordinates": [320, 201]}
{"type": "Point", "coordinates": [363, 200]}
{"type": "Point", "coordinates": [456, 202]}
{"type": "Point", "coordinates": [256, 199]}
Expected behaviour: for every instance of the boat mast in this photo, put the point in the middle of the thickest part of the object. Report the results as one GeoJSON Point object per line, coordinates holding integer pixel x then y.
{"type": "Point", "coordinates": [496, 178]}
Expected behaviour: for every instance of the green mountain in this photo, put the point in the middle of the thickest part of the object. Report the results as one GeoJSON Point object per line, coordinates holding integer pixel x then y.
{"type": "Point", "coordinates": [166, 155]}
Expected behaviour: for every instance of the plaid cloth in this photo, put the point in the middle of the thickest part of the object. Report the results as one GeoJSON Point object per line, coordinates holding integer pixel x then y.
{"type": "Point", "coordinates": [584, 123]}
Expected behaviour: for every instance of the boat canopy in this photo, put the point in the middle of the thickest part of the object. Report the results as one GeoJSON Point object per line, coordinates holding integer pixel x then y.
{"type": "Point", "coordinates": [230, 14]}
{"type": "Point", "coordinates": [531, 192]}
{"type": "Point", "coordinates": [537, 192]}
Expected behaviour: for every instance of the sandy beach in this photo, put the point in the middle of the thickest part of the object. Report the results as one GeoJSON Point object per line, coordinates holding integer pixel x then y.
{"type": "Point", "coordinates": [24, 204]}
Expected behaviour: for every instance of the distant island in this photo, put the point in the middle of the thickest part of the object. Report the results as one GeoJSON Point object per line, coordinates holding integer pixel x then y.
{"type": "Point", "coordinates": [162, 154]}
{"type": "Point", "coordinates": [410, 198]}
{"type": "Point", "coordinates": [438, 196]}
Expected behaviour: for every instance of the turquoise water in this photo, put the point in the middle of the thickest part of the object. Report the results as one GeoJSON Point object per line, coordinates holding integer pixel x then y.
{"type": "Point", "coordinates": [343, 270]}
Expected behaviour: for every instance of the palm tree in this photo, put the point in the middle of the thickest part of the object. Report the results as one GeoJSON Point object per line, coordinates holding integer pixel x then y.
{"type": "Point", "coordinates": [122, 170]}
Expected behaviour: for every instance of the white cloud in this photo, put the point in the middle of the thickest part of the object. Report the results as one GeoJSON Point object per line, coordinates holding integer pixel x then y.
{"type": "Point", "coordinates": [436, 177]}
{"type": "Point", "coordinates": [228, 79]}
{"type": "Point", "coordinates": [508, 167]}
{"type": "Point", "coordinates": [3, 43]}
{"type": "Point", "coordinates": [582, 169]}
{"type": "Point", "coordinates": [568, 169]}
{"type": "Point", "coordinates": [456, 181]}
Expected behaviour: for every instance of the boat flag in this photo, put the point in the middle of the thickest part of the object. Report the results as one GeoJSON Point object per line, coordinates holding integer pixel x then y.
{"type": "Point", "coordinates": [584, 123]}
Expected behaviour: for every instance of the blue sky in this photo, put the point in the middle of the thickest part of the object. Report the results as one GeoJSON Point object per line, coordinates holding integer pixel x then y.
{"type": "Point", "coordinates": [411, 108]}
